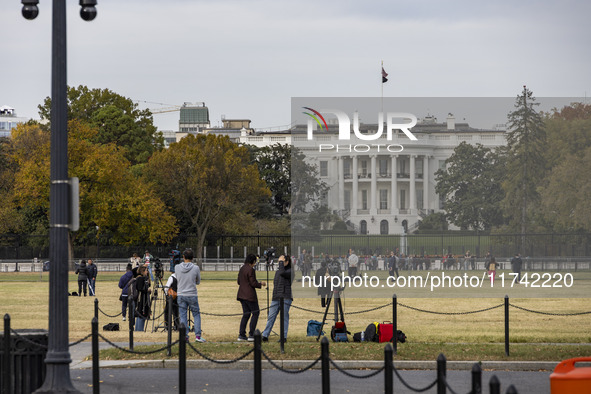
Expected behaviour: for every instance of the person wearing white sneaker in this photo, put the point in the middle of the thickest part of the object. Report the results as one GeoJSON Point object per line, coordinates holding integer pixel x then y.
{"type": "Point", "coordinates": [188, 276]}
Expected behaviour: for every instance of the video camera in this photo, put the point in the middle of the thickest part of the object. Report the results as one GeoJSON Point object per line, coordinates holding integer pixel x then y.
{"type": "Point", "coordinates": [158, 268]}
{"type": "Point", "coordinates": [333, 267]}
{"type": "Point", "coordinates": [270, 254]}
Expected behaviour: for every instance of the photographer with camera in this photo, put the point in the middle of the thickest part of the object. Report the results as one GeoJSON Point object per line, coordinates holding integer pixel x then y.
{"type": "Point", "coordinates": [188, 276]}
{"type": "Point", "coordinates": [247, 295]}
{"type": "Point", "coordinates": [281, 289]}
{"type": "Point", "coordinates": [146, 261]}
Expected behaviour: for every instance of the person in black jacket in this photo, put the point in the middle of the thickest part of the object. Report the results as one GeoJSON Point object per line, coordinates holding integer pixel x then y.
{"type": "Point", "coordinates": [143, 305]}
{"type": "Point", "coordinates": [281, 288]}
{"type": "Point", "coordinates": [92, 271]}
{"type": "Point", "coordinates": [82, 277]}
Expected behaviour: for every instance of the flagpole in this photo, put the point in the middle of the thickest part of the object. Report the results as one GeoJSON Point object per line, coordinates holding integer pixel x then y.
{"type": "Point", "coordinates": [382, 83]}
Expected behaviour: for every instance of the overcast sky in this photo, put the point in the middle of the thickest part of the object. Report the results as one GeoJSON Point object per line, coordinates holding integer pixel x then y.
{"type": "Point", "coordinates": [246, 59]}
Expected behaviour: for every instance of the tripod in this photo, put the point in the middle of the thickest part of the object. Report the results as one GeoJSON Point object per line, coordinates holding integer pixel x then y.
{"type": "Point", "coordinates": [158, 303]}
{"type": "Point", "coordinates": [338, 307]}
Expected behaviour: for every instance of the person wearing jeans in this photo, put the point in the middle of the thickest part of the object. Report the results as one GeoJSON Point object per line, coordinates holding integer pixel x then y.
{"type": "Point", "coordinates": [188, 275]}
{"type": "Point", "coordinates": [247, 295]}
{"type": "Point", "coordinates": [281, 288]}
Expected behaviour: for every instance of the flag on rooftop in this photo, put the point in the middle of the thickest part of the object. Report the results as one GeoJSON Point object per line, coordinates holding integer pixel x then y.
{"type": "Point", "coordinates": [384, 75]}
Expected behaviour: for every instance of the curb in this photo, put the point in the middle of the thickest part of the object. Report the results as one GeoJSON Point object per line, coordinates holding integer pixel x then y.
{"type": "Point", "coordinates": [349, 364]}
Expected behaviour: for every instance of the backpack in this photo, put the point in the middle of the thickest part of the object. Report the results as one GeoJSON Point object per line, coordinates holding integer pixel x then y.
{"type": "Point", "coordinates": [314, 328]}
{"type": "Point", "coordinates": [371, 332]}
{"type": "Point", "coordinates": [132, 291]}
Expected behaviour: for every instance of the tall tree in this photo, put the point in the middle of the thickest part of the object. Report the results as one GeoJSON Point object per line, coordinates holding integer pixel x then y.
{"type": "Point", "coordinates": [274, 164]}
{"type": "Point", "coordinates": [526, 164]}
{"type": "Point", "coordinates": [471, 187]}
{"type": "Point", "coordinates": [565, 193]}
{"type": "Point", "coordinates": [110, 196]}
{"type": "Point", "coordinates": [118, 119]}
{"type": "Point", "coordinates": [206, 180]}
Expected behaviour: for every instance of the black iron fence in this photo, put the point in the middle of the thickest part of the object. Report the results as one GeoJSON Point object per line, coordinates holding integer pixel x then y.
{"type": "Point", "coordinates": [18, 247]}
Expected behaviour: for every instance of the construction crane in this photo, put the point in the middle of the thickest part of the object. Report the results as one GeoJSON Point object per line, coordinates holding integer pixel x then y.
{"type": "Point", "coordinates": [167, 108]}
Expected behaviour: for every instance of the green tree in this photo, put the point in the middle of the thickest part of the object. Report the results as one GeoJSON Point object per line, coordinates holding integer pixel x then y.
{"type": "Point", "coordinates": [564, 194]}
{"type": "Point", "coordinates": [526, 164]}
{"type": "Point", "coordinates": [274, 164]}
{"type": "Point", "coordinates": [435, 221]}
{"type": "Point", "coordinates": [118, 119]}
{"type": "Point", "coordinates": [471, 187]}
{"type": "Point", "coordinates": [206, 180]}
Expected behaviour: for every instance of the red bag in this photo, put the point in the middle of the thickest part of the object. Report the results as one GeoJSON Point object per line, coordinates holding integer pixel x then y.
{"type": "Point", "coordinates": [385, 331]}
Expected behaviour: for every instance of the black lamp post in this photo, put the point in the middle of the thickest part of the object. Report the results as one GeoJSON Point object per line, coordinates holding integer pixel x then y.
{"type": "Point", "coordinates": [57, 378]}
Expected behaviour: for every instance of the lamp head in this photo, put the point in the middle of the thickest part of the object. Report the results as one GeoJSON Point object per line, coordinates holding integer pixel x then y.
{"type": "Point", "coordinates": [88, 10]}
{"type": "Point", "coordinates": [30, 9]}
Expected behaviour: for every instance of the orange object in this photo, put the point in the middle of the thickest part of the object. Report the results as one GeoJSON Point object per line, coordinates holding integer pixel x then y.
{"type": "Point", "coordinates": [567, 379]}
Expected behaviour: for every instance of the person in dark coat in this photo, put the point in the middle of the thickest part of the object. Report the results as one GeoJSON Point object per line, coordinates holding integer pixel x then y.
{"type": "Point", "coordinates": [124, 282]}
{"type": "Point", "coordinates": [321, 282]}
{"type": "Point", "coordinates": [143, 307]}
{"type": "Point", "coordinates": [516, 264]}
{"type": "Point", "coordinates": [92, 271]}
{"type": "Point", "coordinates": [82, 272]}
{"type": "Point", "coordinates": [281, 288]}
{"type": "Point", "coordinates": [247, 295]}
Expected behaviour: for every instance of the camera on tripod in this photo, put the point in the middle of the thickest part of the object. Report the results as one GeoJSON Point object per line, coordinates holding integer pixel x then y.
{"type": "Point", "coordinates": [270, 254]}
{"type": "Point", "coordinates": [333, 267]}
{"type": "Point", "coordinates": [158, 268]}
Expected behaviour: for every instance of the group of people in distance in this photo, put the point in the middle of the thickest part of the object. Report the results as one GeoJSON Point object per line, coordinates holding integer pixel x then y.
{"type": "Point", "coordinates": [86, 272]}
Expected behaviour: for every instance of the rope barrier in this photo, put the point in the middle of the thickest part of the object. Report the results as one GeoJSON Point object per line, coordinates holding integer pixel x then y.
{"type": "Point", "coordinates": [292, 371]}
{"type": "Point", "coordinates": [101, 311]}
{"type": "Point", "coordinates": [133, 351]}
{"type": "Point", "coordinates": [549, 313]}
{"type": "Point", "coordinates": [27, 340]}
{"type": "Point", "coordinates": [349, 374]}
{"type": "Point", "coordinates": [79, 341]}
{"type": "Point", "coordinates": [220, 361]}
{"type": "Point", "coordinates": [232, 314]}
{"type": "Point", "coordinates": [408, 386]}
{"type": "Point", "coordinates": [450, 313]}
{"type": "Point", "coordinates": [447, 385]}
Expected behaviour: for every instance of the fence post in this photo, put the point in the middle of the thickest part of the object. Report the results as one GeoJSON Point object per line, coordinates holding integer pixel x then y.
{"type": "Point", "coordinates": [395, 323]}
{"type": "Point", "coordinates": [388, 383]}
{"type": "Point", "coordinates": [7, 378]}
{"type": "Point", "coordinates": [511, 390]}
{"type": "Point", "coordinates": [281, 324]}
{"type": "Point", "coordinates": [169, 328]}
{"type": "Point", "coordinates": [441, 374]}
{"type": "Point", "coordinates": [95, 354]}
{"type": "Point", "coordinates": [476, 379]}
{"type": "Point", "coordinates": [96, 308]}
{"type": "Point", "coordinates": [131, 316]}
{"type": "Point", "coordinates": [507, 325]}
{"type": "Point", "coordinates": [258, 375]}
{"type": "Point", "coordinates": [494, 385]}
{"type": "Point", "coordinates": [182, 359]}
{"type": "Point", "coordinates": [325, 366]}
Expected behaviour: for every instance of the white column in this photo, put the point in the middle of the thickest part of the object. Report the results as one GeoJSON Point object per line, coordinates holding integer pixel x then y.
{"type": "Point", "coordinates": [374, 187]}
{"type": "Point", "coordinates": [341, 171]}
{"type": "Point", "coordinates": [355, 186]}
{"type": "Point", "coordinates": [426, 183]}
{"type": "Point", "coordinates": [394, 197]}
{"type": "Point", "coordinates": [413, 192]}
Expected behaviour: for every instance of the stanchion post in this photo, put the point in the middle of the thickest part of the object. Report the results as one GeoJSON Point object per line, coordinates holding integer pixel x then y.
{"type": "Point", "coordinates": [7, 378]}
{"type": "Point", "coordinates": [476, 379]}
{"type": "Point", "coordinates": [388, 378]}
{"type": "Point", "coordinates": [258, 374]}
{"type": "Point", "coordinates": [281, 324]}
{"type": "Point", "coordinates": [395, 323]}
{"type": "Point", "coordinates": [507, 325]}
{"type": "Point", "coordinates": [494, 385]}
{"type": "Point", "coordinates": [96, 308]}
{"type": "Point", "coordinates": [169, 327]}
{"type": "Point", "coordinates": [182, 359]}
{"type": "Point", "coordinates": [325, 366]}
{"type": "Point", "coordinates": [130, 315]}
{"type": "Point", "coordinates": [95, 354]}
{"type": "Point", "coordinates": [441, 374]}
